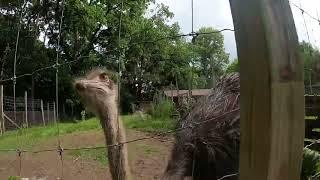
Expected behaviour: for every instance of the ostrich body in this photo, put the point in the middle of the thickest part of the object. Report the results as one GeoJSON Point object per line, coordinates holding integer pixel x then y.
{"type": "Point", "coordinates": [98, 91]}
{"type": "Point", "coordinates": [208, 147]}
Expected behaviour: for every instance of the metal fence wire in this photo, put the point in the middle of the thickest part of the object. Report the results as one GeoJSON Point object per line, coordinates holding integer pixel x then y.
{"type": "Point", "coordinates": [16, 107]}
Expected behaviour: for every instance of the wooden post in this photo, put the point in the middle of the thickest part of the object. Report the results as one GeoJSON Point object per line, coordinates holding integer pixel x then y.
{"type": "Point", "coordinates": [2, 125]}
{"type": "Point", "coordinates": [54, 113]}
{"type": "Point", "coordinates": [272, 90]}
{"type": "Point", "coordinates": [42, 113]}
{"type": "Point", "coordinates": [32, 99]}
{"type": "Point", "coordinates": [26, 108]}
{"type": "Point", "coordinates": [171, 92]}
{"type": "Point", "coordinates": [63, 111]}
{"type": "Point", "coordinates": [177, 87]}
{"type": "Point", "coordinates": [48, 112]}
{"type": "Point", "coordinates": [72, 111]}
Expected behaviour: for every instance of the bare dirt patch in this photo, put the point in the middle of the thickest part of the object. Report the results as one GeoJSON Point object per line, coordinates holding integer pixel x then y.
{"type": "Point", "coordinates": [148, 159]}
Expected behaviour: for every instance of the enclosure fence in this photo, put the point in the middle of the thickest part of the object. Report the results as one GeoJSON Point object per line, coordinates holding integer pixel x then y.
{"type": "Point", "coordinates": [23, 112]}
{"type": "Point", "coordinates": [29, 112]}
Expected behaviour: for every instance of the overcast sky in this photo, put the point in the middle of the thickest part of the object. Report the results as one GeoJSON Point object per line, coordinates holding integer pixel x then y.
{"type": "Point", "coordinates": [216, 13]}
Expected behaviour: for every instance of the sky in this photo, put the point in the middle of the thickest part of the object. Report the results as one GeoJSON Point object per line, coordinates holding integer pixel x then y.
{"type": "Point", "coordinates": [217, 14]}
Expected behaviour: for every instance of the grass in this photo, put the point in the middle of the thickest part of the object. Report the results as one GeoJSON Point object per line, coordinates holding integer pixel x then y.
{"type": "Point", "coordinates": [147, 149]}
{"type": "Point", "coordinates": [30, 138]}
{"type": "Point", "coordinates": [13, 178]}
{"type": "Point", "coordinates": [148, 124]}
{"type": "Point", "coordinates": [92, 154]}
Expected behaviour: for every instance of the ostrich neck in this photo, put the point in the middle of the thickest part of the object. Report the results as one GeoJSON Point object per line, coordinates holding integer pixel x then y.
{"type": "Point", "coordinates": [115, 133]}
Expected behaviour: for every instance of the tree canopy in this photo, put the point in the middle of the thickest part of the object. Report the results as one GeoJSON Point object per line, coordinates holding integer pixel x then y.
{"type": "Point", "coordinates": [153, 53]}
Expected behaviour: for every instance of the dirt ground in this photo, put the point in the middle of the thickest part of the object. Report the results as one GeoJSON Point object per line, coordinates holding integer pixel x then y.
{"type": "Point", "coordinates": [147, 158]}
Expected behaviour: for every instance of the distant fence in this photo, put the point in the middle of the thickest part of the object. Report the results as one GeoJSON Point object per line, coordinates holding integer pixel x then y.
{"type": "Point", "coordinates": [313, 90]}
{"type": "Point", "coordinates": [28, 112]}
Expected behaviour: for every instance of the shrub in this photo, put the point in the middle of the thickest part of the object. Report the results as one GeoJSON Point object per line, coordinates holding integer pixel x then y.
{"type": "Point", "coordinates": [162, 108]}
{"type": "Point", "coordinates": [310, 164]}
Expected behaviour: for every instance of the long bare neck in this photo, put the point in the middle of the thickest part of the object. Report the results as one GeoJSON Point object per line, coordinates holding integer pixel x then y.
{"type": "Point", "coordinates": [115, 133]}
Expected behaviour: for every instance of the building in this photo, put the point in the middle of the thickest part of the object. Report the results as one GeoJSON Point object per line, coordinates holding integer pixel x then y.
{"type": "Point", "coordinates": [175, 95]}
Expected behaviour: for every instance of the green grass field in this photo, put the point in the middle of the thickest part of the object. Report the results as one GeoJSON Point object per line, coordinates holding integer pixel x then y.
{"type": "Point", "coordinates": [28, 138]}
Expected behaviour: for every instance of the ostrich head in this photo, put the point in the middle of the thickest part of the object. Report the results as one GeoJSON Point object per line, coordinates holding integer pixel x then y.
{"type": "Point", "coordinates": [97, 88]}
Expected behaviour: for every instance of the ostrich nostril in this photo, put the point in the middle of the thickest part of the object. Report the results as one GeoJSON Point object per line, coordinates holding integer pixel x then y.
{"type": "Point", "coordinates": [80, 87]}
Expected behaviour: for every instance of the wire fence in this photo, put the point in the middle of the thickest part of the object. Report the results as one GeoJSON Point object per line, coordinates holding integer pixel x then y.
{"type": "Point", "coordinates": [29, 112]}
{"type": "Point", "coordinates": [19, 110]}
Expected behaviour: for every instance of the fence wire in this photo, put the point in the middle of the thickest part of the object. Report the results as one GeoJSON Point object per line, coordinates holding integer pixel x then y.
{"type": "Point", "coordinates": [191, 126]}
{"type": "Point", "coordinates": [60, 150]}
{"type": "Point", "coordinates": [54, 66]}
{"type": "Point", "coordinates": [303, 11]}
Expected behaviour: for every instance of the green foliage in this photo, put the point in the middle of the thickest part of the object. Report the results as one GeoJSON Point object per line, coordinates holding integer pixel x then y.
{"type": "Point", "coordinates": [13, 178]}
{"type": "Point", "coordinates": [89, 36]}
{"type": "Point", "coordinates": [310, 164]}
{"type": "Point", "coordinates": [311, 58]}
{"type": "Point", "coordinates": [162, 108]}
{"type": "Point", "coordinates": [210, 55]}
{"type": "Point", "coordinates": [233, 67]}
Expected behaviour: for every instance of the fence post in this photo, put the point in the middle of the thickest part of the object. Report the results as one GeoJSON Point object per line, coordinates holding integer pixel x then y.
{"type": "Point", "coordinates": [272, 90]}
{"type": "Point", "coordinates": [26, 107]}
{"type": "Point", "coordinates": [48, 112]}
{"type": "Point", "coordinates": [42, 113]}
{"type": "Point", "coordinates": [171, 91]}
{"type": "Point", "coordinates": [54, 113]}
{"type": "Point", "coordinates": [32, 100]}
{"type": "Point", "coordinates": [2, 126]}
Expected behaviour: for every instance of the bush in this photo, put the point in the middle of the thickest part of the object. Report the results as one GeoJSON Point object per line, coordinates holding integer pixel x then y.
{"type": "Point", "coordinates": [163, 110]}
{"type": "Point", "coordinates": [310, 164]}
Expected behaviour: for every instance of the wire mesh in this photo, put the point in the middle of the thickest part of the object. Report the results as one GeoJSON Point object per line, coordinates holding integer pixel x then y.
{"type": "Point", "coordinates": [17, 104]}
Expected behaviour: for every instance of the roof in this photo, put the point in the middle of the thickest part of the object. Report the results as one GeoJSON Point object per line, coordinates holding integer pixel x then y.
{"type": "Point", "coordinates": [195, 92]}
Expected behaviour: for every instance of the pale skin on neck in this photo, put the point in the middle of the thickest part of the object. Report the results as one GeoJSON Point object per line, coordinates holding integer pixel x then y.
{"type": "Point", "coordinates": [110, 126]}
{"type": "Point", "coordinates": [99, 93]}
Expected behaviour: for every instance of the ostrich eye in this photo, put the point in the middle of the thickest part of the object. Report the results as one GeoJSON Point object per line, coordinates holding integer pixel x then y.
{"type": "Point", "coordinates": [103, 76]}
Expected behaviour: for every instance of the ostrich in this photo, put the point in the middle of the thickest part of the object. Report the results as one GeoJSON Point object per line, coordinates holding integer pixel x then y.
{"type": "Point", "coordinates": [208, 146]}
{"type": "Point", "coordinates": [98, 91]}
{"type": "Point", "coordinates": [206, 149]}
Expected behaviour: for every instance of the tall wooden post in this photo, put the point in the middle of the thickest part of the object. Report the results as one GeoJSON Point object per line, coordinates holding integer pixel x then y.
{"type": "Point", "coordinates": [32, 100]}
{"type": "Point", "coordinates": [272, 90]}
{"type": "Point", "coordinates": [42, 113]}
{"type": "Point", "coordinates": [171, 91]}
{"type": "Point", "coordinates": [48, 112]}
{"type": "Point", "coordinates": [26, 108]}
{"type": "Point", "coordinates": [2, 125]}
{"type": "Point", "coordinates": [54, 113]}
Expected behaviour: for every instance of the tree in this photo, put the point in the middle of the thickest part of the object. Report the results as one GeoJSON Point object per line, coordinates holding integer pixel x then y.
{"type": "Point", "coordinates": [233, 67]}
{"type": "Point", "coordinates": [210, 54]}
{"type": "Point", "coordinates": [150, 60]}
{"type": "Point", "coordinates": [311, 57]}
